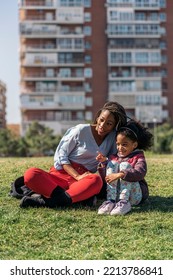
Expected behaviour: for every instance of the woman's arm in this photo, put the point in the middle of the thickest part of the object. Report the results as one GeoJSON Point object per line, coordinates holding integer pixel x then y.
{"type": "Point", "coordinates": [73, 173]}
{"type": "Point", "coordinates": [65, 147]}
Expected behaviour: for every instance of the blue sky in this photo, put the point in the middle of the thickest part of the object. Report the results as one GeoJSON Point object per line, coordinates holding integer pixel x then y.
{"type": "Point", "coordinates": [9, 57]}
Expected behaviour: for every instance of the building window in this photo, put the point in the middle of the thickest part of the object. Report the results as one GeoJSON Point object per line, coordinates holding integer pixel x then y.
{"type": "Point", "coordinates": [66, 115]}
{"type": "Point", "coordinates": [78, 43]}
{"type": "Point", "coordinates": [140, 16]}
{"type": "Point", "coordinates": [148, 100]}
{"type": "Point", "coordinates": [88, 73]}
{"type": "Point", "coordinates": [164, 58]}
{"type": "Point", "coordinates": [163, 3]}
{"type": "Point", "coordinates": [87, 59]}
{"type": "Point", "coordinates": [49, 72]}
{"type": "Point", "coordinates": [87, 17]}
{"type": "Point", "coordinates": [164, 73]}
{"type": "Point", "coordinates": [79, 72]}
{"type": "Point", "coordinates": [89, 101]}
{"type": "Point", "coordinates": [87, 3]}
{"type": "Point", "coordinates": [162, 30]}
{"type": "Point", "coordinates": [152, 85]}
{"type": "Point", "coordinates": [87, 30]}
{"type": "Point", "coordinates": [87, 87]}
{"type": "Point", "coordinates": [49, 116]}
{"type": "Point", "coordinates": [88, 116]}
{"type": "Point", "coordinates": [162, 16]}
{"type": "Point", "coordinates": [120, 57]}
{"type": "Point", "coordinates": [155, 57]}
{"type": "Point", "coordinates": [65, 72]}
{"type": "Point", "coordinates": [142, 57]}
{"type": "Point", "coordinates": [87, 45]}
{"type": "Point", "coordinates": [122, 86]}
{"type": "Point", "coordinates": [70, 3]}
{"type": "Point", "coordinates": [80, 115]}
{"type": "Point", "coordinates": [163, 45]}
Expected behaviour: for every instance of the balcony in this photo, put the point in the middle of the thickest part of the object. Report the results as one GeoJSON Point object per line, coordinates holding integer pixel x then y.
{"type": "Point", "coordinates": [133, 33]}
{"type": "Point", "coordinates": [76, 31]}
{"type": "Point", "coordinates": [60, 89]}
{"type": "Point", "coordinates": [128, 75]}
{"type": "Point", "coordinates": [41, 4]}
{"type": "Point", "coordinates": [70, 15]}
{"type": "Point", "coordinates": [126, 100]}
{"type": "Point", "coordinates": [55, 77]}
{"type": "Point", "coordinates": [49, 18]}
{"type": "Point", "coordinates": [134, 4]}
{"type": "Point", "coordinates": [47, 47]}
{"type": "Point", "coordinates": [36, 33]}
{"type": "Point", "coordinates": [39, 62]}
{"type": "Point", "coordinates": [44, 102]}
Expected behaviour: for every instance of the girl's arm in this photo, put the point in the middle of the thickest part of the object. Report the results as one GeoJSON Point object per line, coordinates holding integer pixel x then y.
{"type": "Point", "coordinates": [136, 173]}
{"type": "Point", "coordinates": [101, 158]}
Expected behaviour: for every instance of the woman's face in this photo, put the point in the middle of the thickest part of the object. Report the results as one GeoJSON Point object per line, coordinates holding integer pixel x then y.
{"type": "Point", "coordinates": [105, 123]}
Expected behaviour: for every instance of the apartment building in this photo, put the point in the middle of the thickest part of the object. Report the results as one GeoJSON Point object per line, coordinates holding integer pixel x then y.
{"type": "Point", "coordinates": [2, 105]}
{"type": "Point", "coordinates": [77, 54]}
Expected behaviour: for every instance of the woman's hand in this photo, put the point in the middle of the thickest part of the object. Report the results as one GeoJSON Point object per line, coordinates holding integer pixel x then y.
{"type": "Point", "coordinates": [79, 177]}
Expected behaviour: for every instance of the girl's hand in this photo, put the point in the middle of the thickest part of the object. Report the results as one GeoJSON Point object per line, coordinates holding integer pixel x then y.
{"type": "Point", "coordinates": [100, 157]}
{"type": "Point", "coordinates": [114, 176]}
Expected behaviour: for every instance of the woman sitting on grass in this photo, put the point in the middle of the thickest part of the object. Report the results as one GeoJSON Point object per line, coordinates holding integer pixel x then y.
{"type": "Point", "coordinates": [125, 170]}
{"type": "Point", "coordinates": [72, 177]}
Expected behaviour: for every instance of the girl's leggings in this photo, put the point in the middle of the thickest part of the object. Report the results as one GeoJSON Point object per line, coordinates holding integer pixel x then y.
{"type": "Point", "coordinates": [120, 189]}
{"type": "Point", "coordinates": [44, 183]}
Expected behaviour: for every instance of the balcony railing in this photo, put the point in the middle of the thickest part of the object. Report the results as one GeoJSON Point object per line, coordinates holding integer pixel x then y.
{"type": "Point", "coordinates": [38, 32]}
{"type": "Point", "coordinates": [133, 32]}
{"type": "Point", "coordinates": [55, 89]}
{"type": "Point", "coordinates": [134, 4]}
{"type": "Point", "coordinates": [40, 18]}
{"type": "Point", "coordinates": [43, 3]}
{"type": "Point", "coordinates": [54, 76]}
{"type": "Point", "coordinates": [130, 46]}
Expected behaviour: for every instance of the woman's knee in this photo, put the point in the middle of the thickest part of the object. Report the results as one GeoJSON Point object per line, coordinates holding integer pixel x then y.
{"type": "Point", "coordinates": [96, 182]}
{"type": "Point", "coordinates": [32, 174]}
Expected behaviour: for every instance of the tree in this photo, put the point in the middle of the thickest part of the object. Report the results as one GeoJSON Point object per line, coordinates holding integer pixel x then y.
{"type": "Point", "coordinates": [40, 140]}
{"type": "Point", "coordinates": [23, 147]}
{"type": "Point", "coordinates": [165, 138]}
{"type": "Point", "coordinates": [8, 143]}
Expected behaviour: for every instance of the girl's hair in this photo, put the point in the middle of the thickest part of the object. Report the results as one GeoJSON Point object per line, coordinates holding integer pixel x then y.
{"type": "Point", "coordinates": [135, 131]}
{"type": "Point", "coordinates": [118, 112]}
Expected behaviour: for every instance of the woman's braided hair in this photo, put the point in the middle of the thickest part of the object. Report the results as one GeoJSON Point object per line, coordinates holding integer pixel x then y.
{"type": "Point", "coordinates": [117, 111]}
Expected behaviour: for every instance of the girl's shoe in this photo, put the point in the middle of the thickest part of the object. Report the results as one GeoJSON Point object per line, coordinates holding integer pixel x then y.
{"type": "Point", "coordinates": [121, 208]}
{"type": "Point", "coordinates": [106, 207]}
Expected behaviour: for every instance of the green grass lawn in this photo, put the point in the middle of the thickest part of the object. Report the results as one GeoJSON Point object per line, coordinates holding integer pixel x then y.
{"type": "Point", "coordinates": [79, 233]}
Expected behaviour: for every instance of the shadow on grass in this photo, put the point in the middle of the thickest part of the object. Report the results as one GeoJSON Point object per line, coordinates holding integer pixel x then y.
{"type": "Point", "coordinates": [156, 203]}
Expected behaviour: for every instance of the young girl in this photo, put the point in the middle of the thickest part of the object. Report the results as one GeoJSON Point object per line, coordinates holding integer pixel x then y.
{"type": "Point", "coordinates": [125, 171]}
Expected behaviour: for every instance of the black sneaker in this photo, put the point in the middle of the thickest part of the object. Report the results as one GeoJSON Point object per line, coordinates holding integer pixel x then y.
{"type": "Point", "coordinates": [28, 201]}
{"type": "Point", "coordinates": [90, 202]}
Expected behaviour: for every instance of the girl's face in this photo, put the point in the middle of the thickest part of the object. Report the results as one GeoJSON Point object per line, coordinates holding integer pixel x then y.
{"type": "Point", "coordinates": [125, 145]}
{"type": "Point", "coordinates": [105, 123]}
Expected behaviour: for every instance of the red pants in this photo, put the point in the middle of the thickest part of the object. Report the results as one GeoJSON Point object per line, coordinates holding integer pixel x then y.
{"type": "Point", "coordinates": [44, 183]}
